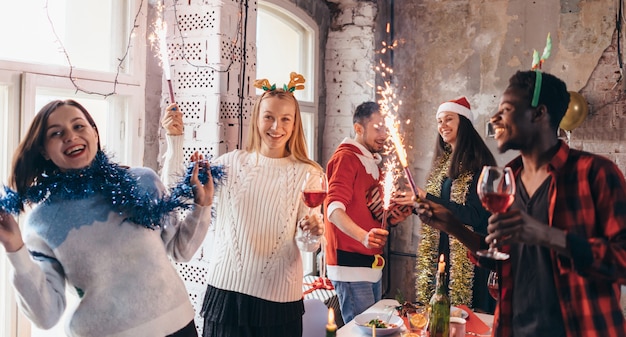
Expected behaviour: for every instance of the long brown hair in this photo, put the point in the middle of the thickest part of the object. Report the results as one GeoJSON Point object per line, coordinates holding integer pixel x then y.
{"type": "Point", "coordinates": [470, 153]}
{"type": "Point", "coordinates": [28, 161]}
{"type": "Point", "coordinates": [296, 145]}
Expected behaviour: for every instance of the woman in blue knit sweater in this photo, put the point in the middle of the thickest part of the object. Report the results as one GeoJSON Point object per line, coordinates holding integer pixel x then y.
{"type": "Point", "coordinates": [93, 229]}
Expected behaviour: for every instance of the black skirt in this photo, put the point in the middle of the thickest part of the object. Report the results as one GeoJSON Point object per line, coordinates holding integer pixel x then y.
{"type": "Point", "coordinates": [237, 309]}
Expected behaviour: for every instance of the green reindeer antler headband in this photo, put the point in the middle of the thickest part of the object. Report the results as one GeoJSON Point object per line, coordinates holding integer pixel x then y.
{"type": "Point", "coordinates": [295, 83]}
{"type": "Point", "coordinates": [536, 66]}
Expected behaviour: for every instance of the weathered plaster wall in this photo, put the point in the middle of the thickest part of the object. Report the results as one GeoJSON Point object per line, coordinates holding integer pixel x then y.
{"type": "Point", "coordinates": [603, 131]}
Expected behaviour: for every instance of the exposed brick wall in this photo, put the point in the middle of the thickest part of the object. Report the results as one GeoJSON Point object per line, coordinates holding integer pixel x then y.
{"type": "Point", "coordinates": [349, 75]}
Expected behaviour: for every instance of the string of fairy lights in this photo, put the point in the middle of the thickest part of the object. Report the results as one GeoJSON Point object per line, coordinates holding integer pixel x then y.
{"type": "Point", "coordinates": [121, 61]}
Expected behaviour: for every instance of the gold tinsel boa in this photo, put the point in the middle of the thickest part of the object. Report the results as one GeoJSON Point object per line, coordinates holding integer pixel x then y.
{"type": "Point", "coordinates": [461, 268]}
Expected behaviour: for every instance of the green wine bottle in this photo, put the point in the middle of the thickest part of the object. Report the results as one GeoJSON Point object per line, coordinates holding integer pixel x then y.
{"type": "Point", "coordinates": [439, 323]}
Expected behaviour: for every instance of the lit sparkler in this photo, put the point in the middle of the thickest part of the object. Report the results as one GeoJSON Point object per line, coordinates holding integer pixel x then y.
{"type": "Point", "coordinates": [159, 42]}
{"type": "Point", "coordinates": [394, 133]}
{"type": "Point", "coordinates": [389, 108]}
{"type": "Point", "coordinates": [388, 184]}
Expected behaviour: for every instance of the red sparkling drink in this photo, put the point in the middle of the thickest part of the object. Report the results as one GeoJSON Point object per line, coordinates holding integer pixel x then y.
{"type": "Point", "coordinates": [313, 198]}
{"type": "Point", "coordinates": [497, 202]}
{"type": "Point", "coordinates": [493, 291]}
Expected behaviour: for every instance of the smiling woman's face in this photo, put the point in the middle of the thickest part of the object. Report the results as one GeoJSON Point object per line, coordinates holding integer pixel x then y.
{"type": "Point", "coordinates": [276, 123]}
{"type": "Point", "coordinates": [70, 141]}
{"type": "Point", "coordinates": [448, 126]}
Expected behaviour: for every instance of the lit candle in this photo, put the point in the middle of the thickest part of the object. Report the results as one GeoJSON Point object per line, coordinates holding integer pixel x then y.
{"type": "Point", "coordinates": [331, 327]}
{"type": "Point", "coordinates": [442, 264]}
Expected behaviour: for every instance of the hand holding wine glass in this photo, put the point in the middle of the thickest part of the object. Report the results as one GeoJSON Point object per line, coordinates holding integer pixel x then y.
{"type": "Point", "coordinates": [314, 190]}
{"type": "Point", "coordinates": [496, 190]}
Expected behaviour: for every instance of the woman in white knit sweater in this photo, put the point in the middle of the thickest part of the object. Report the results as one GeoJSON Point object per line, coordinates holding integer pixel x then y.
{"type": "Point", "coordinates": [92, 228]}
{"type": "Point", "coordinates": [255, 275]}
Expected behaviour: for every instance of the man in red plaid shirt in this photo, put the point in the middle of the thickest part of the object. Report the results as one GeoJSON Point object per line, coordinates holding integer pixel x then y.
{"type": "Point", "coordinates": [565, 232]}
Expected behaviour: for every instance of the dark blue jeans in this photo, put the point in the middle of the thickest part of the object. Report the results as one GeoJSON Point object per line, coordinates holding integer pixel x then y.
{"type": "Point", "coordinates": [356, 297]}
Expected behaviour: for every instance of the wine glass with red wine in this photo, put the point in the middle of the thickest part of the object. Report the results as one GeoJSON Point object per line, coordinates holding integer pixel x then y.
{"type": "Point", "coordinates": [314, 190]}
{"type": "Point", "coordinates": [492, 285]}
{"type": "Point", "coordinates": [496, 190]}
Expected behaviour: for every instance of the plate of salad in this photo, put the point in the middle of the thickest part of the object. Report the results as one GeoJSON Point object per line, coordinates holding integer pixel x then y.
{"type": "Point", "coordinates": [366, 321]}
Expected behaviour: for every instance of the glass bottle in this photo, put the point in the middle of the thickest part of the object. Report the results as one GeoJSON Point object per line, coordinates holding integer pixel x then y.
{"type": "Point", "coordinates": [439, 323]}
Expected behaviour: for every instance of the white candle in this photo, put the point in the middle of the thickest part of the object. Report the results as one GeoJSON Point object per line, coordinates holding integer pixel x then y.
{"type": "Point", "coordinates": [442, 264]}
{"type": "Point", "coordinates": [331, 326]}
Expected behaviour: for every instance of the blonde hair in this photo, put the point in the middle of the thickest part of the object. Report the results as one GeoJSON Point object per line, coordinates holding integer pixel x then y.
{"type": "Point", "coordinates": [296, 145]}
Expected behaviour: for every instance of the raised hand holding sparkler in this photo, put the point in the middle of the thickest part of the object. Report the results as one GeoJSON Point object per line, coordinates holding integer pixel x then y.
{"type": "Point", "coordinates": [172, 122]}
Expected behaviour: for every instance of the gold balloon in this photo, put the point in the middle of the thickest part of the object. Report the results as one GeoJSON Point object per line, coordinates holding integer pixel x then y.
{"type": "Point", "coordinates": [576, 112]}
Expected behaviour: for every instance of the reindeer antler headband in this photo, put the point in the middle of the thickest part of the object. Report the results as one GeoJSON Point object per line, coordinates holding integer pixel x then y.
{"type": "Point", "coordinates": [295, 83]}
{"type": "Point", "coordinates": [536, 66]}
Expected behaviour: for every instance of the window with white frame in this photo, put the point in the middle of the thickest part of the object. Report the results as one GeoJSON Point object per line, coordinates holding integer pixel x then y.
{"type": "Point", "coordinates": [287, 40]}
{"type": "Point", "coordinates": [88, 33]}
{"type": "Point", "coordinates": [9, 85]}
{"type": "Point", "coordinates": [90, 51]}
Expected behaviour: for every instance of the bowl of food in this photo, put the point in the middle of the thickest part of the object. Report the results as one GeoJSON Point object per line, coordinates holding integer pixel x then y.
{"type": "Point", "coordinates": [366, 321]}
{"type": "Point", "coordinates": [458, 312]}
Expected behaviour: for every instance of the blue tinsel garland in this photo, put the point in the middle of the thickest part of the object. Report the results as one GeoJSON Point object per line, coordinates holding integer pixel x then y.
{"type": "Point", "coordinates": [114, 182]}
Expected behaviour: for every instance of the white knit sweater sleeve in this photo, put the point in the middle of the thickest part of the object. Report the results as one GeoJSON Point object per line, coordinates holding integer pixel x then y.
{"type": "Point", "coordinates": [40, 288]}
{"type": "Point", "coordinates": [183, 238]}
{"type": "Point", "coordinates": [174, 162]}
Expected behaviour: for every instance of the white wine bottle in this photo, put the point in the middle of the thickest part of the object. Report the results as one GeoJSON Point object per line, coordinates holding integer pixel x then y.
{"type": "Point", "coordinates": [439, 323]}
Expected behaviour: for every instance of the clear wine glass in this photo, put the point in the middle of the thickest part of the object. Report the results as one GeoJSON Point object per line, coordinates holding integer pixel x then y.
{"type": "Point", "coordinates": [496, 190]}
{"type": "Point", "coordinates": [492, 285]}
{"type": "Point", "coordinates": [314, 190]}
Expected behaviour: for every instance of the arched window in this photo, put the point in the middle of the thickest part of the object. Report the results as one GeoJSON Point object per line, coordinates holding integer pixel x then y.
{"type": "Point", "coordinates": [287, 40]}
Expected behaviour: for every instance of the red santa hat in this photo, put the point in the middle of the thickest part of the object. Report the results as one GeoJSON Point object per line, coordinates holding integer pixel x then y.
{"type": "Point", "coordinates": [459, 105]}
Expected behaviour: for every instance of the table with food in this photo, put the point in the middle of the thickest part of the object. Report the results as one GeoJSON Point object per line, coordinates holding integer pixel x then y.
{"type": "Point", "coordinates": [390, 318]}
